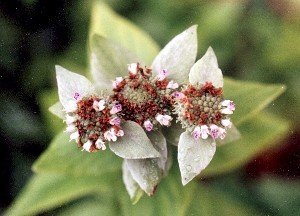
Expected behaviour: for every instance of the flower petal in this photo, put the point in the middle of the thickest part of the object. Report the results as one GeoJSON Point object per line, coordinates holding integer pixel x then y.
{"type": "Point", "coordinates": [178, 56]}
{"type": "Point", "coordinates": [134, 144]}
{"type": "Point", "coordinates": [232, 134]}
{"type": "Point", "coordinates": [70, 83]}
{"type": "Point", "coordinates": [194, 155]}
{"type": "Point", "coordinates": [132, 187]}
{"type": "Point", "coordinates": [108, 61]}
{"type": "Point", "coordinates": [57, 109]}
{"type": "Point", "coordinates": [206, 69]}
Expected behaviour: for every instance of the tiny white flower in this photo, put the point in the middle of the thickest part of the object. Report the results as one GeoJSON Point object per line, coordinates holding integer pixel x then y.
{"type": "Point", "coordinates": [164, 119]}
{"type": "Point", "coordinates": [229, 107]}
{"type": "Point", "coordinates": [74, 136]}
{"type": "Point", "coordinates": [71, 106]}
{"type": "Point", "coordinates": [148, 125]}
{"type": "Point", "coordinates": [110, 135]}
{"type": "Point", "coordinates": [162, 75]}
{"type": "Point", "coordinates": [196, 133]}
{"type": "Point", "coordinates": [222, 133]}
{"type": "Point", "coordinates": [70, 128]}
{"type": "Point", "coordinates": [100, 144]}
{"type": "Point", "coordinates": [117, 81]}
{"type": "Point", "coordinates": [86, 146]}
{"type": "Point", "coordinates": [133, 68]}
{"type": "Point", "coordinates": [226, 123]}
{"type": "Point", "coordinates": [99, 105]}
{"type": "Point", "coordinates": [172, 85]}
{"type": "Point", "coordinates": [200, 131]}
{"type": "Point", "coordinates": [116, 108]}
{"type": "Point", "coordinates": [115, 121]}
{"type": "Point", "coordinates": [77, 96]}
{"type": "Point", "coordinates": [70, 119]}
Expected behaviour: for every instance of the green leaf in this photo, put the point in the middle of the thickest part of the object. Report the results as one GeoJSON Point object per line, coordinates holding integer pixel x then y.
{"type": "Point", "coordinates": [279, 195]}
{"type": "Point", "coordinates": [194, 199]}
{"type": "Point", "coordinates": [250, 97]}
{"type": "Point", "coordinates": [57, 109]}
{"type": "Point", "coordinates": [46, 191]}
{"type": "Point", "coordinates": [64, 157]}
{"type": "Point", "coordinates": [134, 144]}
{"type": "Point", "coordinates": [108, 61]}
{"type": "Point", "coordinates": [194, 155]}
{"type": "Point", "coordinates": [107, 23]}
{"type": "Point", "coordinates": [257, 134]}
{"type": "Point", "coordinates": [178, 56]}
{"type": "Point", "coordinates": [206, 69]}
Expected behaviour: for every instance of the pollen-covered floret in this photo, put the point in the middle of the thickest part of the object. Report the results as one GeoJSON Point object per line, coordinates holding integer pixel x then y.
{"type": "Point", "coordinates": [202, 110]}
{"type": "Point", "coordinates": [92, 121]}
{"type": "Point", "coordinates": [145, 99]}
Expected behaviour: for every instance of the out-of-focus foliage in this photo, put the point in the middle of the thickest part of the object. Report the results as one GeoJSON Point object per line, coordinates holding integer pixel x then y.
{"type": "Point", "coordinates": [254, 40]}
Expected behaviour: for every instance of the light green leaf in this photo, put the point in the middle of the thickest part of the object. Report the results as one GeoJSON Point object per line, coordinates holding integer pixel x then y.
{"type": "Point", "coordinates": [132, 187]}
{"type": "Point", "coordinates": [57, 109]}
{"type": "Point", "coordinates": [194, 155]}
{"type": "Point", "coordinates": [250, 97]}
{"type": "Point", "coordinates": [206, 69]}
{"type": "Point", "coordinates": [134, 144]}
{"type": "Point", "coordinates": [107, 23]}
{"type": "Point", "coordinates": [108, 61]}
{"type": "Point", "coordinates": [258, 134]}
{"type": "Point", "coordinates": [64, 157]}
{"type": "Point", "coordinates": [46, 191]}
{"type": "Point", "coordinates": [70, 83]}
{"type": "Point", "coordinates": [178, 56]}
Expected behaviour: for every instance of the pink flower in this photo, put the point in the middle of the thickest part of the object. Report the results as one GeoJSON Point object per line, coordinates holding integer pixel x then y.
{"type": "Point", "coordinates": [77, 96]}
{"type": "Point", "coordinates": [117, 82]}
{"type": "Point", "coordinates": [229, 107]}
{"type": "Point", "coordinates": [100, 144]}
{"type": "Point", "coordinates": [217, 132]}
{"type": "Point", "coordinates": [162, 74]}
{"type": "Point", "coordinates": [120, 133]}
{"type": "Point", "coordinates": [148, 125]}
{"type": "Point", "coordinates": [172, 85]}
{"type": "Point", "coordinates": [116, 108]}
{"type": "Point", "coordinates": [164, 119]}
{"type": "Point", "coordinates": [226, 123]}
{"type": "Point", "coordinates": [115, 121]}
{"type": "Point", "coordinates": [200, 131]}
{"type": "Point", "coordinates": [99, 105]}
{"type": "Point", "coordinates": [178, 95]}
{"type": "Point", "coordinates": [110, 135]}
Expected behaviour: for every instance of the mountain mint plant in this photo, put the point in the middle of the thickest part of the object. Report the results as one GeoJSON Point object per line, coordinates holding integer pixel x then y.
{"type": "Point", "coordinates": [128, 109]}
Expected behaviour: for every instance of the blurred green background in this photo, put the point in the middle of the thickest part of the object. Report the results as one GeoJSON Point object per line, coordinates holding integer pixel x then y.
{"type": "Point", "coordinates": [254, 40]}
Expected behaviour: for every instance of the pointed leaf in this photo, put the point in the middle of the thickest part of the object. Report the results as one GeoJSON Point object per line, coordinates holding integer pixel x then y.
{"type": "Point", "coordinates": [250, 97]}
{"type": "Point", "coordinates": [47, 191]}
{"type": "Point", "coordinates": [148, 172]}
{"type": "Point", "coordinates": [70, 83]}
{"type": "Point", "coordinates": [132, 187]}
{"type": "Point", "coordinates": [57, 109]}
{"type": "Point", "coordinates": [194, 155]}
{"type": "Point", "coordinates": [206, 69]}
{"type": "Point", "coordinates": [232, 134]}
{"type": "Point", "coordinates": [107, 23]}
{"type": "Point", "coordinates": [108, 61]}
{"type": "Point", "coordinates": [178, 56]}
{"type": "Point", "coordinates": [64, 157]}
{"type": "Point", "coordinates": [134, 144]}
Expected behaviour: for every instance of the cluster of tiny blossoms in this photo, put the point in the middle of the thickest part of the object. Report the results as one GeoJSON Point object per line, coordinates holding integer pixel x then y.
{"type": "Point", "coordinates": [202, 110]}
{"type": "Point", "coordinates": [92, 121]}
{"type": "Point", "coordinates": [145, 99]}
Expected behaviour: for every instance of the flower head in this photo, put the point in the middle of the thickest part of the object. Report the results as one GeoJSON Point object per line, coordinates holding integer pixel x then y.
{"type": "Point", "coordinates": [143, 97]}
{"type": "Point", "coordinates": [93, 122]}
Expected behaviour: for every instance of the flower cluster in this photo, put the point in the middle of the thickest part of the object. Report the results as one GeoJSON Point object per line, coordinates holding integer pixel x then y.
{"type": "Point", "coordinates": [202, 110]}
{"type": "Point", "coordinates": [145, 99]}
{"type": "Point", "coordinates": [92, 121]}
